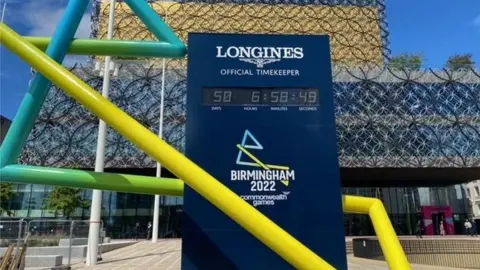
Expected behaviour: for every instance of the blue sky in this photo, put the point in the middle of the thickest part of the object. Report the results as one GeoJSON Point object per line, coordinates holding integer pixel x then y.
{"type": "Point", "coordinates": [436, 28]}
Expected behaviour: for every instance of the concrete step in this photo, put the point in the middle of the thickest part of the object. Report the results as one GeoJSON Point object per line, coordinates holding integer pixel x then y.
{"type": "Point", "coordinates": [61, 267]}
{"type": "Point", "coordinates": [349, 247]}
{"type": "Point", "coordinates": [43, 260]}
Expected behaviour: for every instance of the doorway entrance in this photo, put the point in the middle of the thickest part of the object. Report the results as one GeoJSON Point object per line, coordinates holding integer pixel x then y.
{"type": "Point", "coordinates": [433, 215]}
{"type": "Point", "coordinates": [436, 219]}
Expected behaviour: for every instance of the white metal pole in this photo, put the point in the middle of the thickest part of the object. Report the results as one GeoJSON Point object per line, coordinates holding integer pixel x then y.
{"type": "Point", "coordinates": [156, 205]}
{"type": "Point", "coordinates": [96, 207]}
{"type": "Point", "coordinates": [3, 11]}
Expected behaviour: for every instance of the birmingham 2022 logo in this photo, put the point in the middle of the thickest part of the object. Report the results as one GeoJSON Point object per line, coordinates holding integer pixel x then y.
{"type": "Point", "coordinates": [262, 177]}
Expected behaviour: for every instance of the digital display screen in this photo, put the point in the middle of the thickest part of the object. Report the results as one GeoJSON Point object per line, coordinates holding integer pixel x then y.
{"type": "Point", "coordinates": [261, 96]}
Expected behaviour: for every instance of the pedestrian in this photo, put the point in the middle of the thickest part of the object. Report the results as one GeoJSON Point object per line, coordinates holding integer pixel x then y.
{"type": "Point", "coordinates": [474, 228]}
{"type": "Point", "coordinates": [136, 230]}
{"type": "Point", "coordinates": [468, 227]}
{"type": "Point", "coordinates": [419, 229]}
{"type": "Point", "coordinates": [149, 230]}
{"type": "Point", "coordinates": [442, 229]}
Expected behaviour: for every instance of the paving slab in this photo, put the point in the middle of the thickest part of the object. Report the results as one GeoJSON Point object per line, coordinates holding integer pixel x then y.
{"type": "Point", "coordinates": [166, 255]}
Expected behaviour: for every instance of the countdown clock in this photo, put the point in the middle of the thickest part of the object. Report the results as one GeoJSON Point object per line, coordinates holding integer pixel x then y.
{"type": "Point", "coordinates": [261, 96]}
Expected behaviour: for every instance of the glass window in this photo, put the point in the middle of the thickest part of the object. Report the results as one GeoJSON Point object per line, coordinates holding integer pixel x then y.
{"type": "Point", "coordinates": [458, 192]}
{"type": "Point", "coordinates": [457, 199]}
{"type": "Point", "coordinates": [87, 195]}
{"type": "Point", "coordinates": [24, 188]}
{"type": "Point", "coordinates": [130, 208]}
{"type": "Point", "coordinates": [36, 200]}
{"type": "Point", "coordinates": [106, 202]}
{"type": "Point", "coordinates": [17, 199]}
{"type": "Point", "coordinates": [468, 193]}
{"type": "Point", "coordinates": [424, 195]}
{"type": "Point", "coordinates": [145, 201]}
{"type": "Point", "coordinates": [120, 201]}
{"type": "Point", "coordinates": [477, 191]}
{"type": "Point", "coordinates": [173, 200]}
{"type": "Point", "coordinates": [38, 188]}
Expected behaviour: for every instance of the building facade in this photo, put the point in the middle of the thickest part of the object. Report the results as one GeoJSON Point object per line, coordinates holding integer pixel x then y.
{"type": "Point", "coordinates": [473, 193]}
{"type": "Point", "coordinates": [120, 211]}
{"type": "Point", "coordinates": [407, 137]}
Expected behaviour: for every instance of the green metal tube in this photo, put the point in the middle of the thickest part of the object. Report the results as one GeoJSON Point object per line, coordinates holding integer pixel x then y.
{"type": "Point", "coordinates": [91, 180]}
{"type": "Point", "coordinates": [119, 48]}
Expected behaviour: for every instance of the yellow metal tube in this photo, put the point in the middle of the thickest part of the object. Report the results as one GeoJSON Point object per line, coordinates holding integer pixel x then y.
{"type": "Point", "coordinates": [391, 247]}
{"type": "Point", "coordinates": [294, 252]}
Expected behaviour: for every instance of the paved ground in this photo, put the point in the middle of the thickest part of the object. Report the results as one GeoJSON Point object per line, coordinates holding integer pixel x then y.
{"type": "Point", "coordinates": [435, 237]}
{"type": "Point", "coordinates": [166, 254]}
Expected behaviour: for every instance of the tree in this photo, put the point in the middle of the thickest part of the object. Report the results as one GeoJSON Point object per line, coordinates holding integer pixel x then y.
{"type": "Point", "coordinates": [6, 193]}
{"type": "Point", "coordinates": [65, 200]}
{"type": "Point", "coordinates": [406, 61]}
{"type": "Point", "coordinates": [460, 61]}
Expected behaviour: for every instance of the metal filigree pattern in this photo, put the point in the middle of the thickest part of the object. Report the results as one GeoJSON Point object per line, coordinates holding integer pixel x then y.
{"type": "Point", "coordinates": [385, 118]}
{"type": "Point", "coordinates": [394, 118]}
{"type": "Point", "coordinates": [65, 133]}
{"type": "Point", "coordinates": [357, 28]}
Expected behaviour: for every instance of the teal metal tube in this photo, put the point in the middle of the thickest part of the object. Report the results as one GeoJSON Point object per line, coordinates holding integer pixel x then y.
{"type": "Point", "coordinates": [32, 102]}
{"type": "Point", "coordinates": [124, 48]}
{"type": "Point", "coordinates": [154, 22]}
{"type": "Point", "coordinates": [91, 180]}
